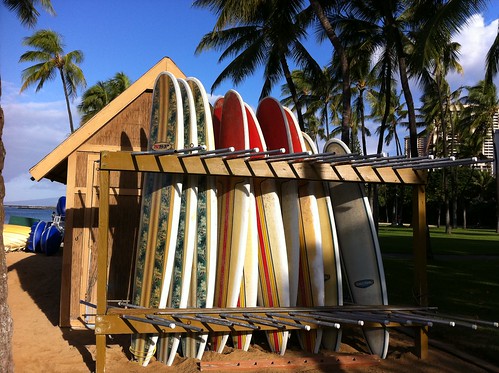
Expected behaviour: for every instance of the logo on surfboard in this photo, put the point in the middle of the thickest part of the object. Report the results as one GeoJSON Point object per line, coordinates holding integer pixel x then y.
{"type": "Point", "coordinates": [364, 283]}
{"type": "Point", "coordinates": [162, 146]}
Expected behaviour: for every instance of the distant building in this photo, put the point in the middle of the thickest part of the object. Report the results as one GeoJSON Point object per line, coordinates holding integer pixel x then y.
{"type": "Point", "coordinates": [426, 144]}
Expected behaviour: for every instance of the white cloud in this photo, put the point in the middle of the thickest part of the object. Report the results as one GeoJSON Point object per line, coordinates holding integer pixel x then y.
{"type": "Point", "coordinates": [475, 39]}
{"type": "Point", "coordinates": [212, 98]}
{"type": "Point", "coordinates": [21, 188]}
{"type": "Point", "coordinates": [31, 131]}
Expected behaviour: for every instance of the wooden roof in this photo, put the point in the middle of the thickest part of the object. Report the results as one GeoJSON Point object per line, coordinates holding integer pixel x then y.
{"type": "Point", "coordinates": [54, 165]}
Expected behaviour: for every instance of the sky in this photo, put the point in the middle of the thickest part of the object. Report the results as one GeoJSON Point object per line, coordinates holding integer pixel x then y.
{"type": "Point", "coordinates": [131, 37]}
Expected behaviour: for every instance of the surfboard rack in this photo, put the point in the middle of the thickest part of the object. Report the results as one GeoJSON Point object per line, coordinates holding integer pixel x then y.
{"type": "Point", "coordinates": [174, 320]}
{"type": "Point", "coordinates": [115, 318]}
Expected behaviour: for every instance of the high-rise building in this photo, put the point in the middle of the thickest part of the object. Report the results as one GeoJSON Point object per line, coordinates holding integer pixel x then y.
{"type": "Point", "coordinates": [426, 144]}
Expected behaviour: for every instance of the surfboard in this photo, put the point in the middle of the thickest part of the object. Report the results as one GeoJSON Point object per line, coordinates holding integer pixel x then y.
{"type": "Point", "coordinates": [234, 203]}
{"type": "Point", "coordinates": [160, 209]}
{"type": "Point", "coordinates": [274, 126]}
{"type": "Point", "coordinates": [216, 119]}
{"type": "Point", "coordinates": [273, 289]}
{"type": "Point", "coordinates": [202, 286]}
{"type": "Point", "coordinates": [249, 283]}
{"type": "Point", "coordinates": [270, 270]}
{"type": "Point", "coordinates": [359, 249]}
{"type": "Point", "coordinates": [18, 237]}
{"type": "Point", "coordinates": [311, 267]}
{"type": "Point", "coordinates": [333, 289]}
{"type": "Point", "coordinates": [187, 231]}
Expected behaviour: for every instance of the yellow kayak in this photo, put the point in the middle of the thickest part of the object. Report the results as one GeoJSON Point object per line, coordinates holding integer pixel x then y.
{"type": "Point", "coordinates": [15, 237]}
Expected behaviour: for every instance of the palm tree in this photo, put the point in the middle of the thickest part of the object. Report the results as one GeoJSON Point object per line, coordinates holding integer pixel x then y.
{"type": "Point", "coordinates": [492, 60]}
{"type": "Point", "coordinates": [395, 117]}
{"type": "Point", "coordinates": [257, 33]}
{"type": "Point", "coordinates": [365, 82]}
{"type": "Point", "coordinates": [321, 13]}
{"type": "Point", "coordinates": [318, 95]}
{"type": "Point", "coordinates": [475, 123]}
{"type": "Point", "coordinates": [49, 54]}
{"type": "Point", "coordinates": [28, 15]}
{"type": "Point", "coordinates": [101, 94]}
{"type": "Point", "coordinates": [406, 35]}
{"type": "Point", "coordinates": [26, 9]}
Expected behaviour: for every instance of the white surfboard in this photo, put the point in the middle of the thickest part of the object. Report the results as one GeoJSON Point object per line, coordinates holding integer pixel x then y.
{"type": "Point", "coordinates": [271, 266]}
{"type": "Point", "coordinates": [274, 125]}
{"type": "Point", "coordinates": [311, 267]}
{"type": "Point", "coordinates": [202, 287]}
{"type": "Point", "coordinates": [359, 249]}
{"type": "Point", "coordinates": [333, 291]}
{"type": "Point", "coordinates": [187, 232]}
{"type": "Point", "coordinates": [160, 210]}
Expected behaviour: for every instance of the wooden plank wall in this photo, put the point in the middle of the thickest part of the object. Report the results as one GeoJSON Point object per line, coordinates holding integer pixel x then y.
{"type": "Point", "coordinates": [128, 130]}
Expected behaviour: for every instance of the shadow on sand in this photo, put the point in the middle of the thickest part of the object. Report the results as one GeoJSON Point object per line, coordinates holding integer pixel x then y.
{"type": "Point", "coordinates": [40, 277]}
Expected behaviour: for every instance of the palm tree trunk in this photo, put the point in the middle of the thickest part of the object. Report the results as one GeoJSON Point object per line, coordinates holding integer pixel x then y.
{"type": "Point", "coordinates": [439, 215]}
{"type": "Point", "coordinates": [454, 205]}
{"type": "Point", "coordinates": [404, 81]}
{"type": "Point", "coordinates": [387, 85]}
{"type": "Point", "coordinates": [326, 120]}
{"type": "Point", "coordinates": [465, 223]}
{"type": "Point", "coordinates": [345, 70]}
{"type": "Point", "coordinates": [71, 127]}
{"type": "Point", "coordinates": [6, 361]}
{"type": "Point", "coordinates": [362, 121]}
{"type": "Point", "coordinates": [292, 90]}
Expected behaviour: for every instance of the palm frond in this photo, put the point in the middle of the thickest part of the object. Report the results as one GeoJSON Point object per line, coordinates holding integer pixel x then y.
{"type": "Point", "coordinates": [492, 60]}
{"type": "Point", "coordinates": [26, 10]}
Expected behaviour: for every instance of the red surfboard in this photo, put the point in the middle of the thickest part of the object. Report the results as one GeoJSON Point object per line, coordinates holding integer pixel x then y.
{"type": "Point", "coordinates": [272, 274]}
{"type": "Point", "coordinates": [234, 207]}
{"type": "Point", "coordinates": [307, 272]}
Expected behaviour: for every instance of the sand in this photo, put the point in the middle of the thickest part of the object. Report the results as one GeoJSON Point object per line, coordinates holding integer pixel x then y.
{"type": "Point", "coordinates": [39, 345]}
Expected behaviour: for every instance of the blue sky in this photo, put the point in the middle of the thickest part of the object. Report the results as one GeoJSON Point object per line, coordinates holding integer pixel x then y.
{"type": "Point", "coordinates": [131, 37]}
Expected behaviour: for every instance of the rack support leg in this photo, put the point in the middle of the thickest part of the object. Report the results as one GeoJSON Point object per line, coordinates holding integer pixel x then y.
{"type": "Point", "coordinates": [420, 274]}
{"type": "Point", "coordinates": [102, 264]}
{"type": "Point", "coordinates": [100, 342]}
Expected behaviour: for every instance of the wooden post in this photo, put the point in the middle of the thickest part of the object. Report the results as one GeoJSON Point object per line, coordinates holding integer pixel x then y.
{"type": "Point", "coordinates": [100, 338]}
{"type": "Point", "coordinates": [420, 275]}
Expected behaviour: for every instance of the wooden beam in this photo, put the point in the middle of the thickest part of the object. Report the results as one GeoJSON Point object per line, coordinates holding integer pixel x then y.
{"type": "Point", "coordinates": [323, 363]}
{"type": "Point", "coordinates": [420, 275]}
{"type": "Point", "coordinates": [242, 166]}
{"type": "Point", "coordinates": [100, 339]}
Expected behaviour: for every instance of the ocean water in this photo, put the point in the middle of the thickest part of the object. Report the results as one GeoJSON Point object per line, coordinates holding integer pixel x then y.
{"type": "Point", "coordinates": [44, 214]}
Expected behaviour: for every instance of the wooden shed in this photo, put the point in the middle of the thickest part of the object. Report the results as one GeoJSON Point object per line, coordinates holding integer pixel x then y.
{"type": "Point", "coordinates": [122, 125]}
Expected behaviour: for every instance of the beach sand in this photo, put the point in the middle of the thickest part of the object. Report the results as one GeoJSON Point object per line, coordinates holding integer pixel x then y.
{"type": "Point", "coordinates": [39, 345]}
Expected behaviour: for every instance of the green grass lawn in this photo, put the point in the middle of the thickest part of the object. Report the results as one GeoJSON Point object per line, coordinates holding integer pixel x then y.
{"type": "Point", "coordinates": [463, 279]}
{"type": "Point", "coordinates": [459, 242]}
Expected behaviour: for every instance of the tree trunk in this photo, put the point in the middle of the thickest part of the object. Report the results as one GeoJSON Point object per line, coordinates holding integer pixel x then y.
{"type": "Point", "coordinates": [395, 208]}
{"type": "Point", "coordinates": [465, 223]}
{"type": "Point", "coordinates": [345, 70]}
{"type": "Point", "coordinates": [454, 211]}
{"type": "Point", "coordinates": [362, 121]}
{"type": "Point", "coordinates": [439, 215]}
{"type": "Point", "coordinates": [448, 227]}
{"type": "Point", "coordinates": [404, 81]}
{"type": "Point", "coordinates": [71, 126]}
{"type": "Point", "coordinates": [292, 90]}
{"type": "Point", "coordinates": [6, 361]}
{"type": "Point", "coordinates": [388, 98]}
